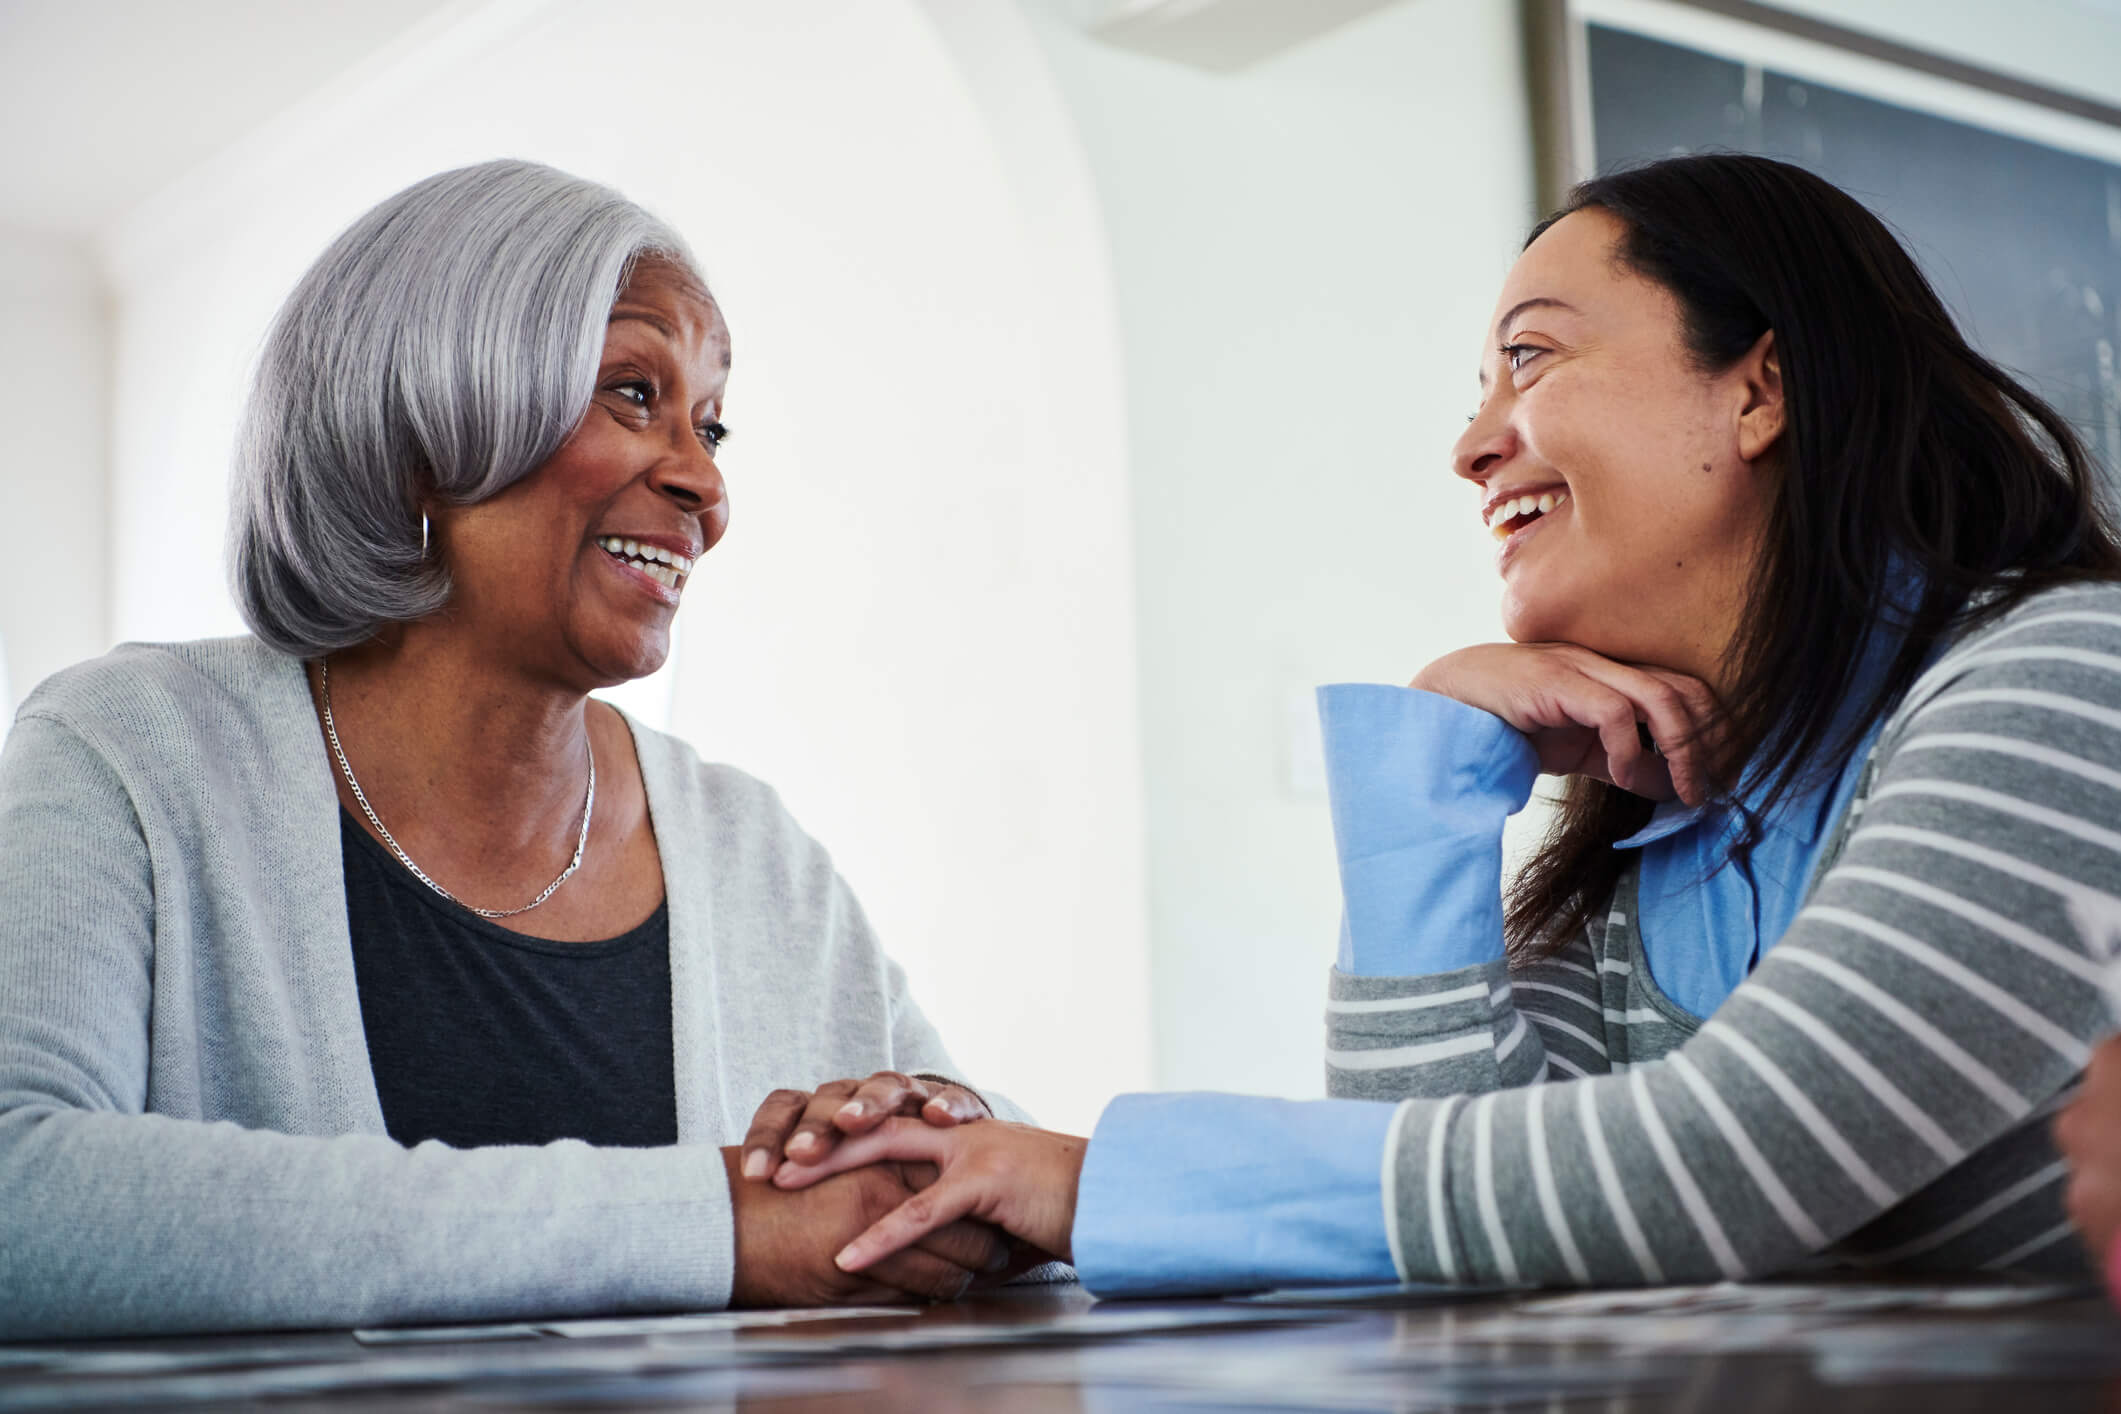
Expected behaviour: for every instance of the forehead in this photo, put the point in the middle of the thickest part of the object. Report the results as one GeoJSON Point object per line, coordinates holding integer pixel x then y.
{"type": "Point", "coordinates": [660, 297]}
{"type": "Point", "coordinates": [1573, 276]}
{"type": "Point", "coordinates": [1574, 259]}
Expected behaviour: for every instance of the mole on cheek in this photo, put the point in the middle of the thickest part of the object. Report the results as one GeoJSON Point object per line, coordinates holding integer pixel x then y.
{"type": "Point", "coordinates": [1706, 467]}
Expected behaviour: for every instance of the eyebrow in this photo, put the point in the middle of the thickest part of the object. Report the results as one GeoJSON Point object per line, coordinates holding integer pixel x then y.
{"type": "Point", "coordinates": [1535, 302]}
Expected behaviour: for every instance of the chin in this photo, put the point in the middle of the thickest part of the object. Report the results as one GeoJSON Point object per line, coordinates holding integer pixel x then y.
{"type": "Point", "coordinates": [1534, 619]}
{"type": "Point", "coordinates": [611, 664]}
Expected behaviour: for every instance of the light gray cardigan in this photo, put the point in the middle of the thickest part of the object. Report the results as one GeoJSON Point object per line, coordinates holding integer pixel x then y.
{"type": "Point", "coordinates": [189, 1132]}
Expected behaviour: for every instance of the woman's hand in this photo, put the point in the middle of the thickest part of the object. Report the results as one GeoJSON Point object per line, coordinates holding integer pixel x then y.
{"type": "Point", "coordinates": [1019, 1179]}
{"type": "Point", "coordinates": [804, 1125]}
{"type": "Point", "coordinates": [2089, 1135]}
{"type": "Point", "coordinates": [1581, 713]}
{"type": "Point", "coordinates": [786, 1240]}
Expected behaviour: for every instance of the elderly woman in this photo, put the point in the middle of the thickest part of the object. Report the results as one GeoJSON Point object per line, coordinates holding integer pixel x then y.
{"type": "Point", "coordinates": [367, 970]}
{"type": "Point", "coordinates": [1773, 540]}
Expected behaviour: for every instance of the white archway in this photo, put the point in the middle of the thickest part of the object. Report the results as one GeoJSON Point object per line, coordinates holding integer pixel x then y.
{"type": "Point", "coordinates": [921, 625]}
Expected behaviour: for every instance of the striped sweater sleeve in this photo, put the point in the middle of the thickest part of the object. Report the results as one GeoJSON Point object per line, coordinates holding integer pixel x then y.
{"type": "Point", "coordinates": [1467, 1031]}
{"type": "Point", "coordinates": [1927, 1006]}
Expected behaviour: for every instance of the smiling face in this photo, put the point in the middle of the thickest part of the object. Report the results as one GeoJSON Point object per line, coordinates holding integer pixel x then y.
{"type": "Point", "coordinates": [1628, 489]}
{"type": "Point", "coordinates": [575, 571]}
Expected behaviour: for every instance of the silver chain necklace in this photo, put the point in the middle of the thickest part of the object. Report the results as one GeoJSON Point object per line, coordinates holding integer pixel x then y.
{"type": "Point", "coordinates": [331, 730]}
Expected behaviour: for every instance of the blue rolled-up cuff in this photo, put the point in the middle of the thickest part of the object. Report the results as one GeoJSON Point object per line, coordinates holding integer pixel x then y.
{"type": "Point", "coordinates": [1420, 786]}
{"type": "Point", "coordinates": [1189, 1193]}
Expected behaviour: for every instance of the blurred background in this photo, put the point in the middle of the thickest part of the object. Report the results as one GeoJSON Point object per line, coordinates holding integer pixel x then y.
{"type": "Point", "coordinates": [1096, 367]}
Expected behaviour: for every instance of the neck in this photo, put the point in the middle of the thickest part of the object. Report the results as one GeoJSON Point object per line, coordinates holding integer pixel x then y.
{"type": "Point", "coordinates": [444, 738]}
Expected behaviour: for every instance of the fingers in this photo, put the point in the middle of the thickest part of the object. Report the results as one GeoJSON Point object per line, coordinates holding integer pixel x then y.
{"type": "Point", "coordinates": [1581, 712]}
{"type": "Point", "coordinates": [767, 1138]}
{"type": "Point", "coordinates": [1684, 720]}
{"type": "Point", "coordinates": [903, 1139]}
{"type": "Point", "coordinates": [1628, 763]}
{"type": "Point", "coordinates": [932, 1208]}
{"type": "Point", "coordinates": [1677, 711]}
{"type": "Point", "coordinates": [881, 1096]}
{"type": "Point", "coordinates": [921, 1275]}
{"type": "Point", "coordinates": [975, 1247]}
{"type": "Point", "coordinates": [953, 1104]}
{"type": "Point", "coordinates": [814, 1133]}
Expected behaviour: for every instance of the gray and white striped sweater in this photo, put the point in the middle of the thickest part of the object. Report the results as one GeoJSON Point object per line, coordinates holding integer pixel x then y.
{"type": "Point", "coordinates": [1876, 1094]}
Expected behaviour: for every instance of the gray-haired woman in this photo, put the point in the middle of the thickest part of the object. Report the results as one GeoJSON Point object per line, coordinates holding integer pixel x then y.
{"type": "Point", "coordinates": [366, 970]}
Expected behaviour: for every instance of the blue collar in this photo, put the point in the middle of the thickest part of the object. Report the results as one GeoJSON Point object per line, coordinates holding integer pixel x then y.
{"type": "Point", "coordinates": [1806, 812]}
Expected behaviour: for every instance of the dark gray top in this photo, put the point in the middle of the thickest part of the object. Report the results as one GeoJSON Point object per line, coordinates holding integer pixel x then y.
{"type": "Point", "coordinates": [479, 1035]}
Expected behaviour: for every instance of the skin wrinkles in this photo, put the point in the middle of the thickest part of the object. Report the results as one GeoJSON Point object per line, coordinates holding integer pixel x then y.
{"type": "Point", "coordinates": [524, 563]}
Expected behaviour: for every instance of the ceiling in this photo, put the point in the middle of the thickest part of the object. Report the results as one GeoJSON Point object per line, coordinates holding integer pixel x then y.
{"type": "Point", "coordinates": [105, 102]}
{"type": "Point", "coordinates": [102, 102]}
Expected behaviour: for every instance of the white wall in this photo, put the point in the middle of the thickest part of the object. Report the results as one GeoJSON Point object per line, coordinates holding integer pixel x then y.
{"type": "Point", "coordinates": [55, 409]}
{"type": "Point", "coordinates": [920, 624]}
{"type": "Point", "coordinates": [968, 308]}
{"type": "Point", "coordinates": [1306, 252]}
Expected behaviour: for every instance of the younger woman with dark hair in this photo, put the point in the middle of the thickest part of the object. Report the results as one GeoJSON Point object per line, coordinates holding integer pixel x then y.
{"type": "Point", "coordinates": [1816, 609]}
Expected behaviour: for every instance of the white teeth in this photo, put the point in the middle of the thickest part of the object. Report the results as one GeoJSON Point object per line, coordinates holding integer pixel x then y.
{"type": "Point", "coordinates": [648, 554]}
{"type": "Point", "coordinates": [1507, 511]}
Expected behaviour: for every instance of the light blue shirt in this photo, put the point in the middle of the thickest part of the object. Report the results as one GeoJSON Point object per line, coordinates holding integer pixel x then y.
{"type": "Point", "coordinates": [1221, 1192]}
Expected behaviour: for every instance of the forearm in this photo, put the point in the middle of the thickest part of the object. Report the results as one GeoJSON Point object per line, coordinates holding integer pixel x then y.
{"type": "Point", "coordinates": [140, 1224]}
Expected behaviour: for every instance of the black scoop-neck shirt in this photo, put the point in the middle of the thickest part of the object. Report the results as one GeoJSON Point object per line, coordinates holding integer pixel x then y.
{"type": "Point", "coordinates": [480, 1036]}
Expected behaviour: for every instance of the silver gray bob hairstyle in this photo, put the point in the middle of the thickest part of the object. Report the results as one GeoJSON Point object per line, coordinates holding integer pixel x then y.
{"type": "Point", "coordinates": [440, 350]}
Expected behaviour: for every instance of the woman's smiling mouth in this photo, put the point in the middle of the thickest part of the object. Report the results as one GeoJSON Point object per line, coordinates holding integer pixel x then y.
{"type": "Point", "coordinates": [666, 567]}
{"type": "Point", "coordinates": [1507, 517]}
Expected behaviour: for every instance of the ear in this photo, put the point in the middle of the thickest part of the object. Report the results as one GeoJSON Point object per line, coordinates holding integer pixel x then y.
{"type": "Point", "coordinates": [1761, 414]}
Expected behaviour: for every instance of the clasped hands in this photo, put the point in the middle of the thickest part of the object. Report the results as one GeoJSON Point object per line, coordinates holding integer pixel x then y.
{"type": "Point", "coordinates": [913, 1189]}
{"type": "Point", "coordinates": [885, 1189]}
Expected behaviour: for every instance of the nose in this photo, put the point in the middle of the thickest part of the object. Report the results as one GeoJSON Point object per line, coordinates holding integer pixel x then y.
{"type": "Point", "coordinates": [687, 476]}
{"type": "Point", "coordinates": [1486, 444]}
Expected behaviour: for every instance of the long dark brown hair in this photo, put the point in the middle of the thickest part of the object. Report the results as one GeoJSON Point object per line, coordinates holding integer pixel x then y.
{"type": "Point", "coordinates": [1919, 486]}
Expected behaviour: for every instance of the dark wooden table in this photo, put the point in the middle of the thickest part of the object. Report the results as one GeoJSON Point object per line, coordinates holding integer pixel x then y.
{"type": "Point", "coordinates": [1055, 1349]}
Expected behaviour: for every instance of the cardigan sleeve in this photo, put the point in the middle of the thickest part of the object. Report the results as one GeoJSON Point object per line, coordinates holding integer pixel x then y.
{"type": "Point", "coordinates": [119, 1220]}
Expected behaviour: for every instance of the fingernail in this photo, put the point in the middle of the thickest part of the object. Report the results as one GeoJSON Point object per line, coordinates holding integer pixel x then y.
{"type": "Point", "coordinates": [805, 1140]}
{"type": "Point", "coordinates": [854, 1109]}
{"type": "Point", "coordinates": [844, 1259]}
{"type": "Point", "coordinates": [756, 1164]}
